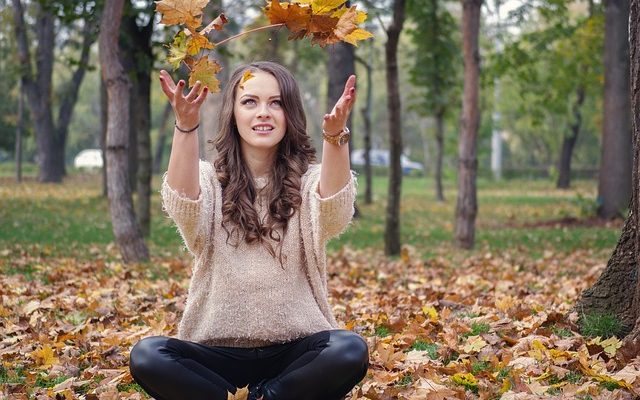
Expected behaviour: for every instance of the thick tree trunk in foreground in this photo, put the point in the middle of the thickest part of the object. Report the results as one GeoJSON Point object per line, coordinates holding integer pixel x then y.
{"type": "Point", "coordinates": [569, 142]}
{"type": "Point", "coordinates": [615, 170]}
{"type": "Point", "coordinates": [392, 223]}
{"type": "Point", "coordinates": [617, 291]}
{"type": "Point", "coordinates": [125, 227]}
{"type": "Point", "coordinates": [467, 204]}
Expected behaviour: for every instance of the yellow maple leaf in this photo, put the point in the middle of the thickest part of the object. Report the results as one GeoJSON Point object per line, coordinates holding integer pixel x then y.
{"type": "Point", "coordinates": [241, 394]}
{"type": "Point", "coordinates": [610, 345]}
{"type": "Point", "coordinates": [430, 312]}
{"type": "Point", "coordinates": [323, 6]}
{"type": "Point", "coordinates": [245, 77]}
{"type": "Point", "coordinates": [346, 24]}
{"type": "Point", "coordinates": [178, 50]}
{"type": "Point", "coordinates": [205, 71]}
{"type": "Point", "coordinates": [465, 379]}
{"type": "Point", "coordinates": [188, 12]}
{"type": "Point", "coordinates": [361, 16]}
{"type": "Point", "coordinates": [196, 43]}
{"type": "Point", "coordinates": [44, 356]}
{"type": "Point", "coordinates": [357, 35]}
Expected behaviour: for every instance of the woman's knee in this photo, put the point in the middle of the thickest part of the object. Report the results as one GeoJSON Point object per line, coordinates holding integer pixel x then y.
{"type": "Point", "coordinates": [145, 356]}
{"type": "Point", "coordinates": [351, 349]}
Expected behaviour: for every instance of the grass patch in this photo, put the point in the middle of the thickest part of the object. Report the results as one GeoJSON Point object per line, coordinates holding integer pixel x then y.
{"type": "Point", "coordinates": [406, 380]}
{"type": "Point", "coordinates": [480, 366]}
{"type": "Point", "coordinates": [599, 324]}
{"type": "Point", "coordinates": [476, 329]}
{"type": "Point", "coordinates": [382, 331]}
{"type": "Point", "coordinates": [561, 332]}
{"type": "Point", "coordinates": [430, 348]}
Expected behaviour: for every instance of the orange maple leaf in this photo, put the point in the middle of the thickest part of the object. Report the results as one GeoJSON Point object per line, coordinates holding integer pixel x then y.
{"type": "Point", "coordinates": [196, 43]}
{"type": "Point", "coordinates": [205, 71]}
{"type": "Point", "coordinates": [295, 17]}
{"type": "Point", "coordinates": [188, 12]}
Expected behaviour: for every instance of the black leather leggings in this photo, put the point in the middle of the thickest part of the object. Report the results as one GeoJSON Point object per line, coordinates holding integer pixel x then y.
{"type": "Point", "coordinates": [323, 366]}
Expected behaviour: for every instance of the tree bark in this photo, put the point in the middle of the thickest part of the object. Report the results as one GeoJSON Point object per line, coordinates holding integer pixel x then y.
{"type": "Point", "coordinates": [614, 185]}
{"type": "Point", "coordinates": [392, 223]}
{"type": "Point", "coordinates": [125, 227]}
{"type": "Point", "coordinates": [340, 65]}
{"type": "Point", "coordinates": [366, 118]}
{"type": "Point", "coordinates": [439, 154]}
{"type": "Point", "coordinates": [19, 133]}
{"type": "Point", "coordinates": [569, 142]}
{"type": "Point", "coordinates": [50, 139]}
{"type": "Point", "coordinates": [617, 291]}
{"type": "Point", "coordinates": [467, 204]}
{"type": "Point", "coordinates": [104, 118]}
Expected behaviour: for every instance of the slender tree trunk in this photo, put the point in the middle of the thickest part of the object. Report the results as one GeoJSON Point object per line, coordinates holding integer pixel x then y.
{"type": "Point", "coordinates": [617, 291]}
{"type": "Point", "coordinates": [615, 170]}
{"type": "Point", "coordinates": [467, 204]}
{"type": "Point", "coordinates": [340, 66]}
{"type": "Point", "coordinates": [162, 137]}
{"type": "Point", "coordinates": [569, 142]}
{"type": "Point", "coordinates": [125, 227]}
{"type": "Point", "coordinates": [439, 154]}
{"type": "Point", "coordinates": [392, 223]}
{"type": "Point", "coordinates": [19, 130]}
{"type": "Point", "coordinates": [366, 118]}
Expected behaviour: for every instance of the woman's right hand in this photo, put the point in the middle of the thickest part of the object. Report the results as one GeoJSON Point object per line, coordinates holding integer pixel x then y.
{"type": "Point", "coordinates": [186, 108]}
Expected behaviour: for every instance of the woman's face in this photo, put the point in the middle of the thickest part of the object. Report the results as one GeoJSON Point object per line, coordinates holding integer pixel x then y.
{"type": "Point", "coordinates": [259, 115]}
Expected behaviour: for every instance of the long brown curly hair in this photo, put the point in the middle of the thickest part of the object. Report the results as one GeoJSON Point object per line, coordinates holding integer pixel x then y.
{"type": "Point", "coordinates": [239, 217]}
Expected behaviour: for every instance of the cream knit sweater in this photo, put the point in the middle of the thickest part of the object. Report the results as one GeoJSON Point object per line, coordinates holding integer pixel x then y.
{"type": "Point", "coordinates": [243, 297]}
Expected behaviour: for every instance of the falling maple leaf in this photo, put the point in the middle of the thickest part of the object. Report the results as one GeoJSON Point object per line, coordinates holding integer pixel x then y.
{"type": "Point", "coordinates": [188, 12]}
{"type": "Point", "coordinates": [295, 17]}
{"type": "Point", "coordinates": [178, 50]}
{"type": "Point", "coordinates": [245, 77]}
{"type": "Point", "coordinates": [205, 71]}
{"type": "Point", "coordinates": [196, 43]}
{"type": "Point", "coordinates": [241, 394]}
{"type": "Point", "coordinates": [323, 6]}
{"type": "Point", "coordinates": [217, 24]}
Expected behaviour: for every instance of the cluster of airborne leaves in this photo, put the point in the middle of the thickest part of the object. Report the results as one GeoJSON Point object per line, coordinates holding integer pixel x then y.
{"type": "Point", "coordinates": [324, 21]}
{"type": "Point", "coordinates": [486, 327]}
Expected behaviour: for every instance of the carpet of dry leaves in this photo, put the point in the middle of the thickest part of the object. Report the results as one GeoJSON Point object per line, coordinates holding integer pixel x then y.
{"type": "Point", "coordinates": [484, 326]}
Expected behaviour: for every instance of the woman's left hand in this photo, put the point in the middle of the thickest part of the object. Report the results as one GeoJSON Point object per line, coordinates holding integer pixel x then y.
{"type": "Point", "coordinates": [335, 122]}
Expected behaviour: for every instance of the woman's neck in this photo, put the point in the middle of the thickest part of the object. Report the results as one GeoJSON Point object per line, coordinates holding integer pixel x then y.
{"type": "Point", "coordinates": [259, 163]}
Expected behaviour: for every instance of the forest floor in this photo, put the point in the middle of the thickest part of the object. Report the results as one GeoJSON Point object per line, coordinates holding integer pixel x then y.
{"type": "Point", "coordinates": [494, 322]}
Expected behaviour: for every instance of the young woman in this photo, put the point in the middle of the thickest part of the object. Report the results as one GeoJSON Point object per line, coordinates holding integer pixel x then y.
{"type": "Point", "coordinates": [256, 222]}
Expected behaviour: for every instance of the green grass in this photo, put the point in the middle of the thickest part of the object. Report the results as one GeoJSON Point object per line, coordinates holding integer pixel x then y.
{"type": "Point", "coordinates": [430, 348]}
{"type": "Point", "coordinates": [477, 328]}
{"type": "Point", "coordinates": [597, 324]}
{"type": "Point", "coordinates": [73, 218]}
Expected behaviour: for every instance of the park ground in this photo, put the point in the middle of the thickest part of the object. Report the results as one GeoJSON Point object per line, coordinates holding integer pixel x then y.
{"type": "Point", "coordinates": [494, 322]}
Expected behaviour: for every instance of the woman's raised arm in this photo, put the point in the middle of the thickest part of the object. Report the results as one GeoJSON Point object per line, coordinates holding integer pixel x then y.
{"type": "Point", "coordinates": [335, 172]}
{"type": "Point", "coordinates": [182, 172]}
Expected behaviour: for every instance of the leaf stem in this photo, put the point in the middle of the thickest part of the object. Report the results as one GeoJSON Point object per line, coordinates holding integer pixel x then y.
{"type": "Point", "coordinates": [249, 31]}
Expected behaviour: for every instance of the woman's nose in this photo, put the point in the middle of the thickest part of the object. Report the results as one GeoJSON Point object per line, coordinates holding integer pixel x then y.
{"type": "Point", "coordinates": [263, 111]}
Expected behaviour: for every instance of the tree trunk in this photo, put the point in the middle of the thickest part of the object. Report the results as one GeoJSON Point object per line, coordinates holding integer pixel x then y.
{"type": "Point", "coordinates": [162, 137]}
{"type": "Point", "coordinates": [569, 142]}
{"type": "Point", "coordinates": [104, 118]}
{"type": "Point", "coordinates": [125, 227]}
{"type": "Point", "coordinates": [340, 65]}
{"type": "Point", "coordinates": [19, 131]}
{"type": "Point", "coordinates": [138, 45]}
{"type": "Point", "coordinates": [615, 170]}
{"type": "Point", "coordinates": [50, 139]}
{"type": "Point", "coordinates": [439, 154]}
{"type": "Point", "coordinates": [467, 205]}
{"type": "Point", "coordinates": [392, 223]}
{"type": "Point", "coordinates": [366, 118]}
{"type": "Point", "coordinates": [617, 291]}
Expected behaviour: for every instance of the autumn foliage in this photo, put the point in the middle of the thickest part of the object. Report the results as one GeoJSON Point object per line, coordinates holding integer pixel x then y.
{"type": "Point", "coordinates": [324, 21]}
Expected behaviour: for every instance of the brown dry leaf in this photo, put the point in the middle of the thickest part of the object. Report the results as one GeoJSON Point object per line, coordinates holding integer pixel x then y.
{"type": "Point", "coordinates": [241, 394]}
{"type": "Point", "coordinates": [188, 12]}
{"type": "Point", "coordinates": [205, 71]}
{"type": "Point", "coordinates": [217, 24]}
{"type": "Point", "coordinates": [295, 17]}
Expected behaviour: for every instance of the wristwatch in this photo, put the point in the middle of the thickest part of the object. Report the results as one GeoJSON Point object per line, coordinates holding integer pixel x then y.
{"type": "Point", "coordinates": [340, 138]}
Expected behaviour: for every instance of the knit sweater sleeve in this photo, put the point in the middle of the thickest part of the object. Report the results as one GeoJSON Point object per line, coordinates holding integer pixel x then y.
{"type": "Point", "coordinates": [334, 213]}
{"type": "Point", "coordinates": [192, 217]}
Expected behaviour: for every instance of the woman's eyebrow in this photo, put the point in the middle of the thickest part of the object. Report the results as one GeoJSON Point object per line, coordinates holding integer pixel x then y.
{"type": "Point", "coordinates": [257, 97]}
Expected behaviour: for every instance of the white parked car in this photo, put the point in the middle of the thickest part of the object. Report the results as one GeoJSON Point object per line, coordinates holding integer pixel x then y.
{"type": "Point", "coordinates": [89, 158]}
{"type": "Point", "coordinates": [381, 158]}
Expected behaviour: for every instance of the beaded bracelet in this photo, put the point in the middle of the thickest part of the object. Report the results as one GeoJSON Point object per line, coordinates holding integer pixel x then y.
{"type": "Point", "coordinates": [185, 131]}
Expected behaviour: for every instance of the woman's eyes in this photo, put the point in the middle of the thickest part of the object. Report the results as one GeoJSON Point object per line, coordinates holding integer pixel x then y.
{"type": "Point", "coordinates": [252, 102]}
